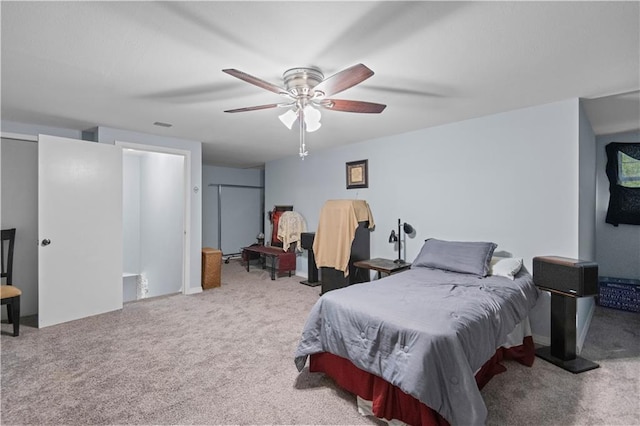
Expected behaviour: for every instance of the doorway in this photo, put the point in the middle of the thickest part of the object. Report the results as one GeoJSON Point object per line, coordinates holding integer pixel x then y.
{"type": "Point", "coordinates": [155, 212]}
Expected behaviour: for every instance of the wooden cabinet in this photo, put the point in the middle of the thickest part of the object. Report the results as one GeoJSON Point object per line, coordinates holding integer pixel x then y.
{"type": "Point", "coordinates": [211, 268]}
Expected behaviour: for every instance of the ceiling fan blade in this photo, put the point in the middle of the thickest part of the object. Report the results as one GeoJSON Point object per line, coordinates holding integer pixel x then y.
{"type": "Point", "coordinates": [255, 108]}
{"type": "Point", "coordinates": [352, 106]}
{"type": "Point", "coordinates": [256, 81]}
{"type": "Point", "coordinates": [344, 79]}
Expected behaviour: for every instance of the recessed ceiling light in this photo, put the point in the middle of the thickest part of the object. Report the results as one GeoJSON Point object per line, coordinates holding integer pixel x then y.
{"type": "Point", "coordinates": [161, 124]}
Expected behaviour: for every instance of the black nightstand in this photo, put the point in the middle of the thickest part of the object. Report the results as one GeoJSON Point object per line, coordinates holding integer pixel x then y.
{"type": "Point", "coordinates": [383, 266]}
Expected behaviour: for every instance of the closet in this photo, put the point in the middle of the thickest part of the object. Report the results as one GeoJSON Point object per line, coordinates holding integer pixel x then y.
{"type": "Point", "coordinates": [235, 216]}
{"type": "Point", "coordinates": [153, 223]}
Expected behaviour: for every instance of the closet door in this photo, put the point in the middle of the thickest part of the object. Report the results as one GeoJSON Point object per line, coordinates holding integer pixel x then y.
{"type": "Point", "coordinates": [240, 217]}
{"type": "Point", "coordinates": [79, 228]}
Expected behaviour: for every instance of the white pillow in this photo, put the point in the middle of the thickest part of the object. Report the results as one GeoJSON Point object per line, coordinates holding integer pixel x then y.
{"type": "Point", "coordinates": [505, 266]}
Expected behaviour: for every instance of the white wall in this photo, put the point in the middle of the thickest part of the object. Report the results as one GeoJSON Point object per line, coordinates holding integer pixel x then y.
{"type": "Point", "coordinates": [511, 178]}
{"type": "Point", "coordinates": [231, 176]}
{"type": "Point", "coordinates": [110, 135]}
{"type": "Point", "coordinates": [617, 247]}
{"type": "Point", "coordinates": [587, 189]}
{"type": "Point", "coordinates": [585, 306]}
{"type": "Point", "coordinates": [153, 220]}
{"type": "Point", "coordinates": [20, 211]}
{"type": "Point", "coordinates": [161, 222]}
{"type": "Point", "coordinates": [131, 213]}
{"type": "Point", "coordinates": [35, 129]}
{"type": "Point", "coordinates": [211, 177]}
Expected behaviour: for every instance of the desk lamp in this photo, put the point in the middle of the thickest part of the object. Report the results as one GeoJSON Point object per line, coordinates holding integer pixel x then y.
{"type": "Point", "coordinates": [408, 229]}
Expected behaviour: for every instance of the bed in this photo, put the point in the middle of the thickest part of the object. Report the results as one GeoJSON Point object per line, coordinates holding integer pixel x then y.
{"type": "Point", "coordinates": [417, 346]}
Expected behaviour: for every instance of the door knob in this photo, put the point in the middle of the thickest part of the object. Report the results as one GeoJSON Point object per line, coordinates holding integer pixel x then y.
{"type": "Point", "coordinates": [46, 242]}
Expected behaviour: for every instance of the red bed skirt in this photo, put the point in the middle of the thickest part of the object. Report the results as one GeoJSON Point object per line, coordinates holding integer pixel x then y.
{"type": "Point", "coordinates": [389, 402]}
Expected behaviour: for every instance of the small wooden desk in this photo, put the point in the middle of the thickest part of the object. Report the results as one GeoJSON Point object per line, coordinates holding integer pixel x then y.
{"type": "Point", "coordinates": [282, 261]}
{"type": "Point", "coordinates": [383, 266]}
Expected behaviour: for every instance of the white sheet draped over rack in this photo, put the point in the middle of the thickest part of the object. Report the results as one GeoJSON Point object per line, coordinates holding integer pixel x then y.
{"type": "Point", "coordinates": [290, 225]}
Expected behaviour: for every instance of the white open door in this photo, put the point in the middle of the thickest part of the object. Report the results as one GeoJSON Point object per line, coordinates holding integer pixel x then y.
{"type": "Point", "coordinates": [79, 228]}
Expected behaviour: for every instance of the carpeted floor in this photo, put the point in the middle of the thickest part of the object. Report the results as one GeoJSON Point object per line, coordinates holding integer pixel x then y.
{"type": "Point", "coordinates": [548, 395]}
{"type": "Point", "coordinates": [225, 356]}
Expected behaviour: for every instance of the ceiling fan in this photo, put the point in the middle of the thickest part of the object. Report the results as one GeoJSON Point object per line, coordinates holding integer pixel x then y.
{"type": "Point", "coordinates": [307, 91]}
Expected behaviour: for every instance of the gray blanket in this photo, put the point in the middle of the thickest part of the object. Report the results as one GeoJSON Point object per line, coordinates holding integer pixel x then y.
{"type": "Point", "coordinates": [425, 331]}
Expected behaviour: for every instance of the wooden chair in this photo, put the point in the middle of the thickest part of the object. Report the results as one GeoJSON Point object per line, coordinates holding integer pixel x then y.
{"type": "Point", "coordinates": [10, 294]}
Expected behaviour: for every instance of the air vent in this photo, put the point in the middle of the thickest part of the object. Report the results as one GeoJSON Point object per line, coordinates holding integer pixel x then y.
{"type": "Point", "coordinates": [161, 124]}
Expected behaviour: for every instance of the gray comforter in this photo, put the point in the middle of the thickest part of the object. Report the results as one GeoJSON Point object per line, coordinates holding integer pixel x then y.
{"type": "Point", "coordinates": [425, 331]}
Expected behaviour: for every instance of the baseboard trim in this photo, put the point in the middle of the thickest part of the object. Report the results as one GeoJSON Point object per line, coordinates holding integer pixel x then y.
{"type": "Point", "coordinates": [193, 290]}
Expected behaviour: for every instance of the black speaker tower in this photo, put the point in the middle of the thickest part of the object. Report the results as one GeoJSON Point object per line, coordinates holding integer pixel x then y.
{"type": "Point", "coordinates": [306, 241]}
{"type": "Point", "coordinates": [566, 279]}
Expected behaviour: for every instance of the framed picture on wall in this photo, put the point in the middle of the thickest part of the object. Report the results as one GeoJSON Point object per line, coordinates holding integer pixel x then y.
{"type": "Point", "coordinates": [357, 174]}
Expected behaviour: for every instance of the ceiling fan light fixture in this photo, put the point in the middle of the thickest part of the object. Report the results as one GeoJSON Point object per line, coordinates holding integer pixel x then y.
{"type": "Point", "coordinates": [312, 126]}
{"type": "Point", "coordinates": [288, 118]}
{"type": "Point", "coordinates": [312, 118]}
{"type": "Point", "coordinates": [306, 89]}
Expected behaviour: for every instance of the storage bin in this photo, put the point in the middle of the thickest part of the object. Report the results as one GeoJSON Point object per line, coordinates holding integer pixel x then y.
{"type": "Point", "coordinates": [619, 293]}
{"type": "Point", "coordinates": [211, 268]}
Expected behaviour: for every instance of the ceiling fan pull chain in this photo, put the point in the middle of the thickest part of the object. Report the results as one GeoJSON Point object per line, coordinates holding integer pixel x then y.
{"type": "Point", "coordinates": [303, 148]}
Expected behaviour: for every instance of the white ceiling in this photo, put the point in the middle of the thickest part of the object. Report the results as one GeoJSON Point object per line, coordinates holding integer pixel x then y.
{"type": "Point", "coordinates": [129, 64]}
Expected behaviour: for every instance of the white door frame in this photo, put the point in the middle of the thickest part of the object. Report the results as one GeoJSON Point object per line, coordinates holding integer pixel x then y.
{"type": "Point", "coordinates": [186, 241]}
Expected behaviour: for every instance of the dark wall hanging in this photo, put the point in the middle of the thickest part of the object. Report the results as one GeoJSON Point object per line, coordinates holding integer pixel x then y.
{"type": "Point", "coordinates": [623, 171]}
